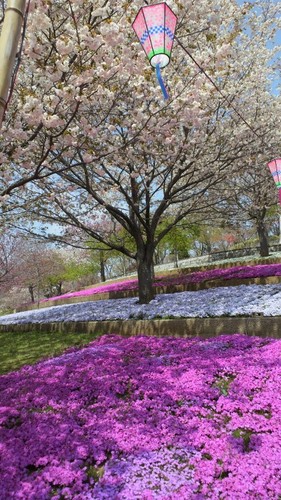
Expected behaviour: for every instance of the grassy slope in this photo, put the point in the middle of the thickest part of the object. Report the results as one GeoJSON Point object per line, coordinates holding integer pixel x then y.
{"type": "Point", "coordinates": [18, 349]}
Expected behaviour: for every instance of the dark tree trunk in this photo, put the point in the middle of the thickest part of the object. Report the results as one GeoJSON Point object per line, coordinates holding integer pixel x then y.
{"type": "Point", "coordinates": [102, 267]}
{"type": "Point", "coordinates": [31, 291]}
{"type": "Point", "coordinates": [263, 238]}
{"type": "Point", "coordinates": [59, 288]}
{"type": "Point", "coordinates": [145, 276]}
{"type": "Point", "coordinates": [176, 259]}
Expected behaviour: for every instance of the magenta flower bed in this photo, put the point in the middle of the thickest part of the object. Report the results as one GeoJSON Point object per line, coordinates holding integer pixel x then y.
{"type": "Point", "coordinates": [111, 287]}
{"type": "Point", "coordinates": [263, 270]}
{"type": "Point", "coordinates": [258, 271]}
{"type": "Point", "coordinates": [145, 418]}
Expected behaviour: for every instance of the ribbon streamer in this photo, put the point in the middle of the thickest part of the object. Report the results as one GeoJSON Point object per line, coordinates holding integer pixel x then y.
{"type": "Point", "coordinates": [161, 82]}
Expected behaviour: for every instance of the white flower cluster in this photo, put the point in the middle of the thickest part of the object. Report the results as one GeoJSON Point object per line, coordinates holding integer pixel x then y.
{"type": "Point", "coordinates": [214, 302]}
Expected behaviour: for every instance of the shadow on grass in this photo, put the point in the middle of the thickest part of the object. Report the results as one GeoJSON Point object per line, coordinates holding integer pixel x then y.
{"type": "Point", "coordinates": [26, 348]}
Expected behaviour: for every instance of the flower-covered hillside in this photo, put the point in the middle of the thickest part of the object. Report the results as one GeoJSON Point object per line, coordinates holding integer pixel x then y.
{"type": "Point", "coordinates": [145, 418]}
{"type": "Point", "coordinates": [241, 272]}
{"type": "Point", "coordinates": [244, 300]}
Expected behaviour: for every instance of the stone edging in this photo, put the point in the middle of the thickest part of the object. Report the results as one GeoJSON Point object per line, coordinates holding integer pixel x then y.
{"type": "Point", "coordinates": [182, 327]}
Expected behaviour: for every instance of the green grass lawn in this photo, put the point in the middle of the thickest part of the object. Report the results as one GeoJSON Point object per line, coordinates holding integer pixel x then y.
{"type": "Point", "coordinates": [18, 349]}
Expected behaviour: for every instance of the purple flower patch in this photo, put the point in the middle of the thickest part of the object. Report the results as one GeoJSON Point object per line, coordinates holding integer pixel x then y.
{"type": "Point", "coordinates": [145, 418]}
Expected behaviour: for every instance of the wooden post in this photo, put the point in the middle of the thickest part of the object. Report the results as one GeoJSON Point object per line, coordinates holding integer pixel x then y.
{"type": "Point", "coordinates": [9, 39]}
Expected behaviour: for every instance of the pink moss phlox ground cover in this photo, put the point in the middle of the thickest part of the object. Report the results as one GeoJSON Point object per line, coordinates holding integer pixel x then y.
{"type": "Point", "coordinates": [241, 272]}
{"type": "Point", "coordinates": [145, 418]}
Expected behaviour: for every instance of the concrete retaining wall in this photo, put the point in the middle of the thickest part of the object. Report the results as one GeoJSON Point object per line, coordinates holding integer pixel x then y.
{"type": "Point", "coordinates": [190, 327]}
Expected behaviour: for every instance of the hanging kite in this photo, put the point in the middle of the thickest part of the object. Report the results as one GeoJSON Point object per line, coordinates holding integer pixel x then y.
{"type": "Point", "coordinates": [275, 169]}
{"type": "Point", "coordinates": [155, 27]}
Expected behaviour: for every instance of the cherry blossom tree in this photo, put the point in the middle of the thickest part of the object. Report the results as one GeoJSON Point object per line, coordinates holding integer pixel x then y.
{"type": "Point", "coordinates": [25, 263]}
{"type": "Point", "coordinates": [59, 57]}
{"type": "Point", "coordinates": [250, 196]}
{"type": "Point", "coordinates": [89, 130]}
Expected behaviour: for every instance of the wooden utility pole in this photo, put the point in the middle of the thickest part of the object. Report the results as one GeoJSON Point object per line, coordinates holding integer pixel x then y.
{"type": "Point", "coordinates": [9, 40]}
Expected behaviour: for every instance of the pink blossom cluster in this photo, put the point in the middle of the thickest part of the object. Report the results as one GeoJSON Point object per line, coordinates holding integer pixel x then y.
{"type": "Point", "coordinates": [258, 271]}
{"type": "Point", "coordinates": [145, 418]}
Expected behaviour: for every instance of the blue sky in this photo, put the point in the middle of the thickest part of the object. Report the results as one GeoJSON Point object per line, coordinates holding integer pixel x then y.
{"type": "Point", "coordinates": [277, 41]}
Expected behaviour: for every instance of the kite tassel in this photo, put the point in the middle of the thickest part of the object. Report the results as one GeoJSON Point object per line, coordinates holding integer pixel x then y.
{"type": "Point", "coordinates": [161, 82]}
